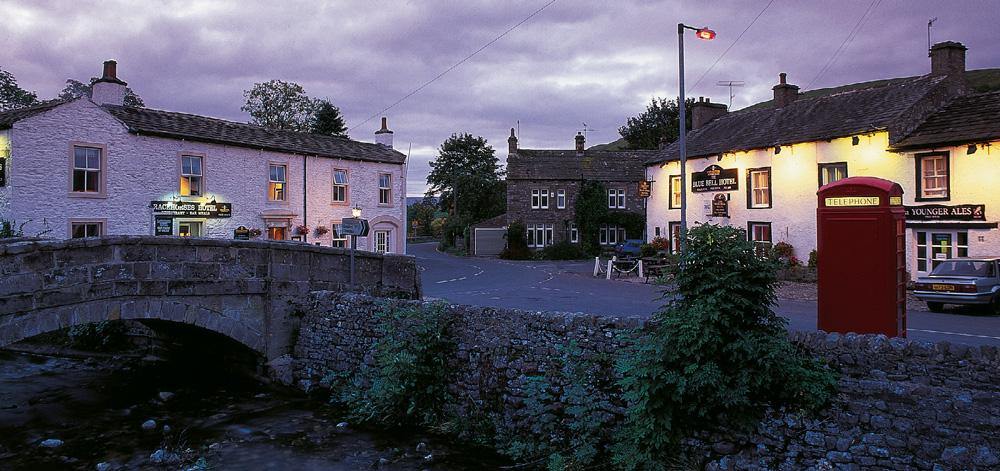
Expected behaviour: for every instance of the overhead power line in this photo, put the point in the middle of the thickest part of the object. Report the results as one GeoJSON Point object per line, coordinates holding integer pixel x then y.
{"type": "Point", "coordinates": [449, 69]}
{"type": "Point", "coordinates": [709, 69]}
{"type": "Point", "coordinates": [847, 41]}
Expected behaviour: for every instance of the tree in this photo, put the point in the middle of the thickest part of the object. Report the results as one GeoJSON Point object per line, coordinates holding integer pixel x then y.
{"type": "Point", "coordinates": [421, 216]}
{"type": "Point", "coordinates": [327, 120]}
{"type": "Point", "coordinates": [75, 89]}
{"type": "Point", "coordinates": [591, 212]}
{"type": "Point", "coordinates": [658, 122]}
{"type": "Point", "coordinates": [277, 104]}
{"type": "Point", "coordinates": [468, 177]}
{"type": "Point", "coordinates": [12, 96]}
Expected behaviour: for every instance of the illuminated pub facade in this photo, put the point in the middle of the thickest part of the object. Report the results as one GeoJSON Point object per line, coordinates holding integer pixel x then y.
{"type": "Point", "coordinates": [759, 168]}
{"type": "Point", "coordinates": [93, 167]}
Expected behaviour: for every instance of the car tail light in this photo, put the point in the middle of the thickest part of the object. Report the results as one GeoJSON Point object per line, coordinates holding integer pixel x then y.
{"type": "Point", "coordinates": [921, 286]}
{"type": "Point", "coordinates": [965, 288]}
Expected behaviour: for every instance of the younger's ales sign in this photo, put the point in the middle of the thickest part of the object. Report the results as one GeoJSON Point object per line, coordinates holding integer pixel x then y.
{"type": "Point", "coordinates": [715, 178]}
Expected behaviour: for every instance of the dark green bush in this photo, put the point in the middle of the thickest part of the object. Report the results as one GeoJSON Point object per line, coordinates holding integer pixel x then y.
{"type": "Point", "coordinates": [517, 243]}
{"type": "Point", "coordinates": [98, 336]}
{"type": "Point", "coordinates": [406, 385]}
{"type": "Point", "coordinates": [562, 251]}
{"type": "Point", "coordinates": [813, 259]}
{"type": "Point", "coordinates": [647, 250]}
{"type": "Point", "coordinates": [716, 355]}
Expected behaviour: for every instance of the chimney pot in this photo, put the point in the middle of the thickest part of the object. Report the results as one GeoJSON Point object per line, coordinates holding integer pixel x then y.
{"type": "Point", "coordinates": [109, 89]}
{"type": "Point", "coordinates": [512, 143]}
{"type": "Point", "coordinates": [704, 111]}
{"type": "Point", "coordinates": [580, 142]}
{"type": "Point", "coordinates": [784, 92]}
{"type": "Point", "coordinates": [110, 70]}
{"type": "Point", "coordinates": [383, 136]}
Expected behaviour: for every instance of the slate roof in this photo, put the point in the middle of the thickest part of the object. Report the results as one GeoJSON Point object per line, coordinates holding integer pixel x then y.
{"type": "Point", "coordinates": [530, 164]}
{"type": "Point", "coordinates": [806, 119]}
{"type": "Point", "coordinates": [8, 118]}
{"type": "Point", "coordinates": [205, 129]}
{"type": "Point", "coordinates": [965, 120]}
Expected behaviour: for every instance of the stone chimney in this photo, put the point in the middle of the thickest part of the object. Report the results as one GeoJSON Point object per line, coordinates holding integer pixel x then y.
{"type": "Point", "coordinates": [109, 90]}
{"type": "Point", "coordinates": [512, 143]}
{"type": "Point", "coordinates": [947, 58]}
{"type": "Point", "coordinates": [704, 111]}
{"type": "Point", "coordinates": [383, 137]}
{"type": "Point", "coordinates": [581, 142]}
{"type": "Point", "coordinates": [784, 93]}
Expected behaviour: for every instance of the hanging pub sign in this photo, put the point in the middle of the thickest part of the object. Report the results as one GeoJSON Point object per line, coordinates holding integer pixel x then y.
{"type": "Point", "coordinates": [241, 233]}
{"type": "Point", "coordinates": [163, 226]}
{"type": "Point", "coordinates": [192, 209]}
{"type": "Point", "coordinates": [645, 188]}
{"type": "Point", "coordinates": [958, 212]}
{"type": "Point", "coordinates": [720, 206]}
{"type": "Point", "coordinates": [715, 178]}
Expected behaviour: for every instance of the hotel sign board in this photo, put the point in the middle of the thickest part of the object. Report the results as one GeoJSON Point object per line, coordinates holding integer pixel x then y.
{"type": "Point", "coordinates": [645, 188]}
{"type": "Point", "coordinates": [958, 212]}
{"type": "Point", "coordinates": [164, 226]}
{"type": "Point", "coordinates": [715, 178]}
{"type": "Point", "coordinates": [851, 201]}
{"type": "Point", "coordinates": [720, 206]}
{"type": "Point", "coordinates": [192, 209]}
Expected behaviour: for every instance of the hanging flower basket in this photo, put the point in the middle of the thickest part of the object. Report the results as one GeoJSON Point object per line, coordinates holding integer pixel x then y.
{"type": "Point", "coordinates": [302, 229]}
{"type": "Point", "coordinates": [321, 231]}
{"type": "Point", "coordinates": [255, 232]}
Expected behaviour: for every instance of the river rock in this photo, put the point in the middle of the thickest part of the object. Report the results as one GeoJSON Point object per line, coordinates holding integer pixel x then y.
{"type": "Point", "coordinates": [421, 447]}
{"type": "Point", "coordinates": [52, 443]}
{"type": "Point", "coordinates": [165, 395]}
{"type": "Point", "coordinates": [162, 456]}
{"type": "Point", "coordinates": [166, 428]}
{"type": "Point", "coordinates": [104, 466]}
{"type": "Point", "coordinates": [343, 425]}
{"type": "Point", "coordinates": [149, 425]}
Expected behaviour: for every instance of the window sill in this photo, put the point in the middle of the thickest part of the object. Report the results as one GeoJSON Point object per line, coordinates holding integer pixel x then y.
{"type": "Point", "coordinates": [340, 203]}
{"type": "Point", "coordinates": [74, 194]}
{"type": "Point", "coordinates": [931, 198]}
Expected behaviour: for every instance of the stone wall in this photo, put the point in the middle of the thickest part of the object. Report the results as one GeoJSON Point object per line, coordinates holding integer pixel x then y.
{"type": "Point", "coordinates": [900, 405]}
{"type": "Point", "coordinates": [240, 289]}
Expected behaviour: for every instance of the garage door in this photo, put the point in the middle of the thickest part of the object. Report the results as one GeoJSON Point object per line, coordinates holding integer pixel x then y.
{"type": "Point", "coordinates": [489, 242]}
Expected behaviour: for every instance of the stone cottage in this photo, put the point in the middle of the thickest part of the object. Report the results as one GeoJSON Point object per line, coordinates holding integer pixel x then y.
{"type": "Point", "coordinates": [543, 187]}
{"type": "Point", "coordinates": [93, 167]}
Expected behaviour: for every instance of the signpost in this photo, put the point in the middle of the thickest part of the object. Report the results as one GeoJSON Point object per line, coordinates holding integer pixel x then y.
{"type": "Point", "coordinates": [354, 227]}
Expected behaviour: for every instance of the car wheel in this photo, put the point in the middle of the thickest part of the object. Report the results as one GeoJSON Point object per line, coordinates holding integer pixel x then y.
{"type": "Point", "coordinates": [994, 307]}
{"type": "Point", "coordinates": [935, 307]}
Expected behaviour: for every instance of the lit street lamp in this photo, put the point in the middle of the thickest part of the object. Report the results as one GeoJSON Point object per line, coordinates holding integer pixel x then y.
{"type": "Point", "coordinates": [701, 33]}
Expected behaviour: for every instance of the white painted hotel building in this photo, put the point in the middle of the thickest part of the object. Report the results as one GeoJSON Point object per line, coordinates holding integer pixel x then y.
{"type": "Point", "coordinates": [90, 167]}
{"type": "Point", "coordinates": [934, 135]}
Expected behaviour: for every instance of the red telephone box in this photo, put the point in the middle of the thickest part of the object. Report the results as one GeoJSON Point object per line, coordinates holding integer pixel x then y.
{"type": "Point", "coordinates": [861, 245]}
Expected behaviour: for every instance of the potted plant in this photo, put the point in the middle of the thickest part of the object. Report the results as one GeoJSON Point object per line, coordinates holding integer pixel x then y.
{"type": "Point", "coordinates": [255, 232]}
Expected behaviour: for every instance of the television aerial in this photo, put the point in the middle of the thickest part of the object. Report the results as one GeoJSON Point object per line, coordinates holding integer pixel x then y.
{"type": "Point", "coordinates": [730, 84]}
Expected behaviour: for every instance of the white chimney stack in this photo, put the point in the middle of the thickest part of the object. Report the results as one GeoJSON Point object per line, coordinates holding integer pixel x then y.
{"type": "Point", "coordinates": [109, 90]}
{"type": "Point", "coordinates": [384, 136]}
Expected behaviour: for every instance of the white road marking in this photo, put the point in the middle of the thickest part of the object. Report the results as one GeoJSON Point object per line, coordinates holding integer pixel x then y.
{"type": "Point", "coordinates": [449, 281]}
{"type": "Point", "coordinates": [954, 333]}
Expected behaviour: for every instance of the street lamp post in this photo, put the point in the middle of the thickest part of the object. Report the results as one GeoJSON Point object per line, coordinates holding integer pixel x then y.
{"type": "Point", "coordinates": [356, 212]}
{"type": "Point", "coordinates": [701, 33]}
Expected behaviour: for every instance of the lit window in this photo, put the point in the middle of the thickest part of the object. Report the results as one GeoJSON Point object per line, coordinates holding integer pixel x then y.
{"type": "Point", "coordinates": [561, 199]}
{"type": "Point", "coordinates": [760, 187]}
{"type": "Point", "coordinates": [276, 183]}
{"type": "Point", "coordinates": [760, 235]}
{"type": "Point", "coordinates": [382, 241]}
{"type": "Point", "coordinates": [675, 192]}
{"type": "Point", "coordinates": [384, 188]}
{"type": "Point", "coordinates": [86, 169]}
{"type": "Point", "coordinates": [191, 175]}
{"type": "Point", "coordinates": [339, 186]}
{"type": "Point", "coordinates": [189, 229]}
{"type": "Point", "coordinates": [81, 229]}
{"type": "Point", "coordinates": [933, 176]}
{"type": "Point", "coordinates": [829, 173]}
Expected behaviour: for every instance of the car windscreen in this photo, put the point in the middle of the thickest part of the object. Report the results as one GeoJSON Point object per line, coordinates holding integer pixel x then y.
{"type": "Point", "coordinates": [964, 268]}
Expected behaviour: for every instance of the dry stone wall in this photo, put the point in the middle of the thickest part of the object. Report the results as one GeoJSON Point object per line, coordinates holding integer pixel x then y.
{"type": "Point", "coordinates": [900, 404]}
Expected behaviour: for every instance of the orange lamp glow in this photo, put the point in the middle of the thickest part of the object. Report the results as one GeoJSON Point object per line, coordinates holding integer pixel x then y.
{"type": "Point", "coordinates": [705, 33]}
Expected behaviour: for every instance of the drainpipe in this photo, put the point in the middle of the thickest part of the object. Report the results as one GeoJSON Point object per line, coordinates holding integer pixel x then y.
{"type": "Point", "coordinates": [305, 197]}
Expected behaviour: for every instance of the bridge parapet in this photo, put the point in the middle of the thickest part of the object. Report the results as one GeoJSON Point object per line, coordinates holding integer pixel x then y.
{"type": "Point", "coordinates": [234, 285]}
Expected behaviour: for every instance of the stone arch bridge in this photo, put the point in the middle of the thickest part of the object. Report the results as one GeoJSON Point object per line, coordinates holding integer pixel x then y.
{"type": "Point", "coordinates": [245, 290]}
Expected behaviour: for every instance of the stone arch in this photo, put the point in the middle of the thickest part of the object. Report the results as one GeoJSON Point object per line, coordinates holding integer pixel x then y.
{"type": "Point", "coordinates": [174, 309]}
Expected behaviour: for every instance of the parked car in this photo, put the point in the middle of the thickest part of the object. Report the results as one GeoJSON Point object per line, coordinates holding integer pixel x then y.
{"type": "Point", "coordinates": [966, 281]}
{"type": "Point", "coordinates": [630, 247]}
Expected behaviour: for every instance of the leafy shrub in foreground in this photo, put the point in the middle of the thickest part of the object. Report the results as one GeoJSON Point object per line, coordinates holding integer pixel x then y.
{"type": "Point", "coordinates": [716, 356]}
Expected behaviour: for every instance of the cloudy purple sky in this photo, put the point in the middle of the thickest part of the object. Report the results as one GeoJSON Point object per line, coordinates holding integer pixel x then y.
{"type": "Point", "coordinates": [577, 61]}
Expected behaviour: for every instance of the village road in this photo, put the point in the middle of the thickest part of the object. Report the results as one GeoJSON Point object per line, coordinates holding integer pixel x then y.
{"type": "Point", "coordinates": [569, 287]}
